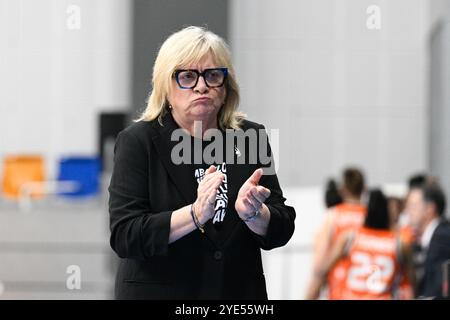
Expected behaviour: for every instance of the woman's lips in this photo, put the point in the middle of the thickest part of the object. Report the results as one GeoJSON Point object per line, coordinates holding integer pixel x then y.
{"type": "Point", "coordinates": [202, 99]}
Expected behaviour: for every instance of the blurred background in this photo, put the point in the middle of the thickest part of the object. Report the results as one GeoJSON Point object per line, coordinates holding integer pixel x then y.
{"type": "Point", "coordinates": [340, 91]}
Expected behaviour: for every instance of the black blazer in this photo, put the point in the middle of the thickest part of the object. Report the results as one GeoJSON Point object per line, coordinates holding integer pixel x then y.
{"type": "Point", "coordinates": [438, 252]}
{"type": "Point", "coordinates": [146, 187]}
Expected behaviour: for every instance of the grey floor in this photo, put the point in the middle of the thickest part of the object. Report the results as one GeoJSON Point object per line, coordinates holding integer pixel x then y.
{"type": "Point", "coordinates": [37, 247]}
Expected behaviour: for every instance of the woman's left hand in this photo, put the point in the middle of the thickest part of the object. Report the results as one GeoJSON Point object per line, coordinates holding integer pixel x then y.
{"type": "Point", "coordinates": [251, 196]}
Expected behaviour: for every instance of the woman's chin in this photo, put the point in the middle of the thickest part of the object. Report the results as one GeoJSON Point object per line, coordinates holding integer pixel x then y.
{"type": "Point", "coordinates": [203, 110]}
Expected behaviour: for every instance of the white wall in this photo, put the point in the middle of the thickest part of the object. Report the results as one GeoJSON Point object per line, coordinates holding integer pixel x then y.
{"type": "Point", "coordinates": [438, 9]}
{"type": "Point", "coordinates": [55, 80]}
{"type": "Point", "coordinates": [440, 93]}
{"type": "Point", "coordinates": [339, 93]}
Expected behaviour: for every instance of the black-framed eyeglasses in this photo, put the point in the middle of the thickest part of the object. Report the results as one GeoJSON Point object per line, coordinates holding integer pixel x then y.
{"type": "Point", "coordinates": [188, 79]}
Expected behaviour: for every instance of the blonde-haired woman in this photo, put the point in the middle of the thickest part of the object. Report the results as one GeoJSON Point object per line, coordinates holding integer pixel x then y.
{"type": "Point", "coordinates": [193, 229]}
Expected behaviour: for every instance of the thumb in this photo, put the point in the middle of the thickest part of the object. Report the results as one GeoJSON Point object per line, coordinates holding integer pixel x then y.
{"type": "Point", "coordinates": [254, 178]}
{"type": "Point", "coordinates": [211, 169]}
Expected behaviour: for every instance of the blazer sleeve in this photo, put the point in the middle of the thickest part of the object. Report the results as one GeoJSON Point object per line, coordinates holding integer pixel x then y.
{"type": "Point", "coordinates": [136, 232]}
{"type": "Point", "coordinates": [281, 224]}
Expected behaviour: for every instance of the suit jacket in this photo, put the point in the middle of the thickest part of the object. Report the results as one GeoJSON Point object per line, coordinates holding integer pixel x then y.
{"type": "Point", "coordinates": [438, 251]}
{"type": "Point", "coordinates": [146, 187]}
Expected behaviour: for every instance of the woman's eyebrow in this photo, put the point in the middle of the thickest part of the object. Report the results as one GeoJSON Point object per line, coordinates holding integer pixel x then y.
{"type": "Point", "coordinates": [202, 68]}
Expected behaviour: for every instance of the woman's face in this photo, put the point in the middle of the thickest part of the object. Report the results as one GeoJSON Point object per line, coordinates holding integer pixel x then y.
{"type": "Point", "coordinates": [200, 103]}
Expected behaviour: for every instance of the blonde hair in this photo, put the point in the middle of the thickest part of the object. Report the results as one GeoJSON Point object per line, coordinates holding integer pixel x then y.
{"type": "Point", "coordinates": [189, 46]}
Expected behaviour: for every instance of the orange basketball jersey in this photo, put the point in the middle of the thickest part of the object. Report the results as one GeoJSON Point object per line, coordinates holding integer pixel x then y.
{"type": "Point", "coordinates": [346, 217]}
{"type": "Point", "coordinates": [405, 289]}
{"type": "Point", "coordinates": [373, 265]}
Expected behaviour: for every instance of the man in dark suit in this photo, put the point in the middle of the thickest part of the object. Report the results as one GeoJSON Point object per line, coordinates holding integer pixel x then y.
{"type": "Point", "coordinates": [426, 207]}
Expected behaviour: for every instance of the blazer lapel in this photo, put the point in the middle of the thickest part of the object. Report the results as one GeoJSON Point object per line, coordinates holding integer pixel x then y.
{"type": "Point", "coordinates": [164, 144]}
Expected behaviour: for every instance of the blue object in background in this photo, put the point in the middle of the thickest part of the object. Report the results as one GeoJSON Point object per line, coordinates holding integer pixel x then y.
{"type": "Point", "coordinates": [84, 171]}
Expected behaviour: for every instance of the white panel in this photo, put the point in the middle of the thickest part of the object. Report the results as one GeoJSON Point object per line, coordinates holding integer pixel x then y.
{"type": "Point", "coordinates": [340, 94]}
{"type": "Point", "coordinates": [56, 80]}
{"type": "Point", "coordinates": [440, 104]}
{"type": "Point", "coordinates": [305, 67]}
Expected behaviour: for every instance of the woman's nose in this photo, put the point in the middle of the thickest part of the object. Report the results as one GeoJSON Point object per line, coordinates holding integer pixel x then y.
{"type": "Point", "coordinates": [201, 86]}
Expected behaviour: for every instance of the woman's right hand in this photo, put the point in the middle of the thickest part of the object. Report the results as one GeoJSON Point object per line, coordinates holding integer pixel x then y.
{"type": "Point", "coordinates": [206, 194]}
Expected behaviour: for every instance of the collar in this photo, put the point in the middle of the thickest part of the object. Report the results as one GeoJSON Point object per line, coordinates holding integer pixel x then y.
{"type": "Point", "coordinates": [425, 239]}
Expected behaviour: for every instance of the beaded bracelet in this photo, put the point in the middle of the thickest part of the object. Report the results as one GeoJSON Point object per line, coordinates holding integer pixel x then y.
{"type": "Point", "coordinates": [257, 213]}
{"type": "Point", "coordinates": [195, 219]}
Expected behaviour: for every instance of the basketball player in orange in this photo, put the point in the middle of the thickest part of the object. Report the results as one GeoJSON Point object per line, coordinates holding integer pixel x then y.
{"type": "Point", "coordinates": [395, 208]}
{"type": "Point", "coordinates": [346, 216]}
{"type": "Point", "coordinates": [375, 254]}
